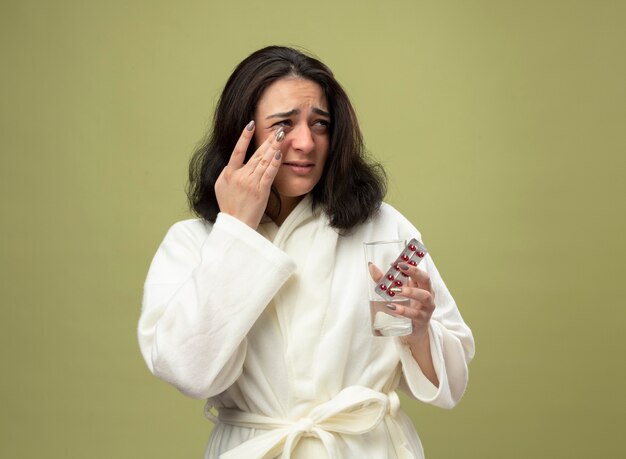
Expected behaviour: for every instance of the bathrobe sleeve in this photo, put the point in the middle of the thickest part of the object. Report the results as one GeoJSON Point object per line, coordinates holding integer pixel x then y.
{"type": "Point", "coordinates": [452, 349]}
{"type": "Point", "coordinates": [451, 341]}
{"type": "Point", "coordinates": [205, 289]}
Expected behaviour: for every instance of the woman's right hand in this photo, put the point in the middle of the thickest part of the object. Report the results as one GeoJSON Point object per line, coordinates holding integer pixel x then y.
{"type": "Point", "coordinates": [242, 190]}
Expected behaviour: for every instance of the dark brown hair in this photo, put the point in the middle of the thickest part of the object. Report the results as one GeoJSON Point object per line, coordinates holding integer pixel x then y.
{"type": "Point", "coordinates": [351, 188]}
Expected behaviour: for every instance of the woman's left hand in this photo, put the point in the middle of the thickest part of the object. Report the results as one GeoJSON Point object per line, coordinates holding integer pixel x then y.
{"type": "Point", "coordinates": [421, 306]}
{"type": "Point", "coordinates": [422, 301]}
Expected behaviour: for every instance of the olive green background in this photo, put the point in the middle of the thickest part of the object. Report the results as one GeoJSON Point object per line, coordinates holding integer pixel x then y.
{"type": "Point", "coordinates": [502, 127]}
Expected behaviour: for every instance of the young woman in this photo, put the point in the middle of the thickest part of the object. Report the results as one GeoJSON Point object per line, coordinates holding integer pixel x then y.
{"type": "Point", "coordinates": [260, 305]}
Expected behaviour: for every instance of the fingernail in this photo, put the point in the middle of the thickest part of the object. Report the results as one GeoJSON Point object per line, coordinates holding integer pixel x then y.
{"type": "Point", "coordinates": [250, 125]}
{"type": "Point", "coordinates": [403, 266]}
{"type": "Point", "coordinates": [391, 306]}
{"type": "Point", "coordinates": [278, 155]}
{"type": "Point", "coordinates": [395, 289]}
{"type": "Point", "coordinates": [280, 135]}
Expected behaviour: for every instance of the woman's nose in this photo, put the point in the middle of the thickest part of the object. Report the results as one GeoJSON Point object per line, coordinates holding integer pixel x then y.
{"type": "Point", "coordinates": [302, 139]}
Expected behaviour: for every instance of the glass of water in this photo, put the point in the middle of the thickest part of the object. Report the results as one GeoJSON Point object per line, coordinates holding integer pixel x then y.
{"type": "Point", "coordinates": [380, 256]}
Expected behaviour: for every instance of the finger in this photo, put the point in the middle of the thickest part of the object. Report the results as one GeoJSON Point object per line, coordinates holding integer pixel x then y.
{"type": "Point", "coordinates": [239, 152]}
{"type": "Point", "coordinates": [422, 305]}
{"type": "Point", "coordinates": [411, 312]}
{"type": "Point", "coordinates": [419, 277]}
{"type": "Point", "coordinates": [270, 172]}
{"type": "Point", "coordinates": [418, 294]}
{"type": "Point", "coordinates": [375, 271]}
{"type": "Point", "coordinates": [271, 154]}
{"type": "Point", "coordinates": [261, 152]}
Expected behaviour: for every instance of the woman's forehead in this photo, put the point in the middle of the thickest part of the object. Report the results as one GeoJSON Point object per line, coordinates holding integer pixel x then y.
{"type": "Point", "coordinates": [292, 95]}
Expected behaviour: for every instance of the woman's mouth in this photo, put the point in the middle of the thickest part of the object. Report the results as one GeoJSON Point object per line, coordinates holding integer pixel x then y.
{"type": "Point", "coordinates": [299, 168]}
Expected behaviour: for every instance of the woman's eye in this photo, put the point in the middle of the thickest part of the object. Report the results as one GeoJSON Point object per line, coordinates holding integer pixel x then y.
{"type": "Point", "coordinates": [321, 125]}
{"type": "Point", "coordinates": [282, 123]}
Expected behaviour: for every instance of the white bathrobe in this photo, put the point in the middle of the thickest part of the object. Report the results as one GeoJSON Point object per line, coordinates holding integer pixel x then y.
{"type": "Point", "coordinates": [272, 327]}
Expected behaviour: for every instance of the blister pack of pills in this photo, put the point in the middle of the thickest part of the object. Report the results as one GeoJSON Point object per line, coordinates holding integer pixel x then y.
{"type": "Point", "coordinates": [394, 278]}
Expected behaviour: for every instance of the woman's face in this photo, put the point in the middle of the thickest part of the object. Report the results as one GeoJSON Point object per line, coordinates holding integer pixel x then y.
{"type": "Point", "coordinates": [300, 108]}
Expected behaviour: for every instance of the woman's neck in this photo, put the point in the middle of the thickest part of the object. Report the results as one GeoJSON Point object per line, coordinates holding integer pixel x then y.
{"type": "Point", "coordinates": [287, 204]}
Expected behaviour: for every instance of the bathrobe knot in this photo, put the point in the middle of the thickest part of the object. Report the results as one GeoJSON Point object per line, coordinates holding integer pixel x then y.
{"type": "Point", "coordinates": [353, 411]}
{"type": "Point", "coordinates": [304, 425]}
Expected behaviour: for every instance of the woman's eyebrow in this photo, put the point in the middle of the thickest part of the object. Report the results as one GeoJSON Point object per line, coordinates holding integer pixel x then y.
{"type": "Point", "coordinates": [319, 111]}
{"type": "Point", "coordinates": [296, 111]}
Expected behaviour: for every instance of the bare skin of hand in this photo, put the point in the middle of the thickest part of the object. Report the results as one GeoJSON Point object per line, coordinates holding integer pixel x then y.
{"type": "Point", "coordinates": [421, 307]}
{"type": "Point", "coordinates": [242, 190]}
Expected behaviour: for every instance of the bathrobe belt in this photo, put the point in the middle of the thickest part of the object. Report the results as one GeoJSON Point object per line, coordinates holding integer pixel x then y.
{"type": "Point", "coordinates": [353, 411]}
